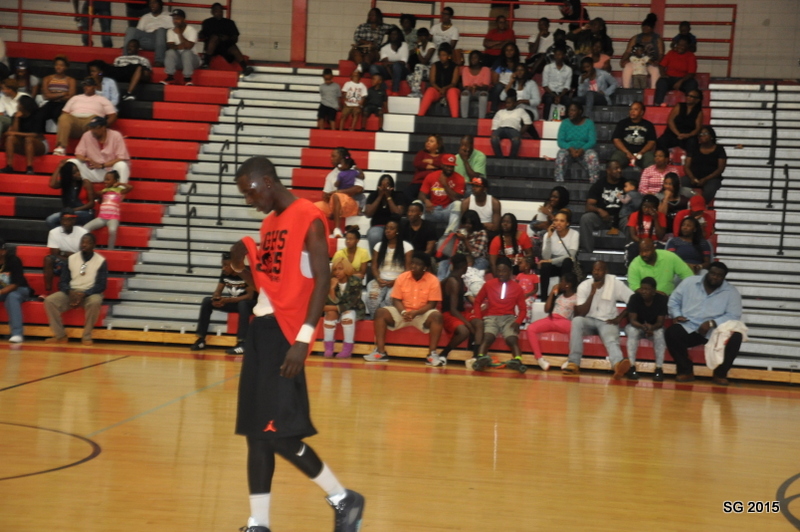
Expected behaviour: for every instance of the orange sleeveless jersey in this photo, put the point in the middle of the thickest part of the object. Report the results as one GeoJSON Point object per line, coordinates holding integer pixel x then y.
{"type": "Point", "coordinates": [275, 263]}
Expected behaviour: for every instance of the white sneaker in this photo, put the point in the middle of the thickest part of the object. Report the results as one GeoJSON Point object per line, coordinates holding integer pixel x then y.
{"type": "Point", "coordinates": [543, 363]}
{"type": "Point", "coordinates": [469, 363]}
{"type": "Point", "coordinates": [337, 233]}
{"type": "Point", "coordinates": [59, 151]}
{"type": "Point", "coordinates": [376, 356]}
{"type": "Point", "coordinates": [16, 339]}
{"type": "Point", "coordinates": [436, 361]}
{"type": "Point", "coordinates": [565, 364]}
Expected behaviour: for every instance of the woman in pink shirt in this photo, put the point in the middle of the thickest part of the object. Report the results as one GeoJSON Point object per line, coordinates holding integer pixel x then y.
{"type": "Point", "coordinates": [652, 180]}
{"type": "Point", "coordinates": [113, 194]}
{"type": "Point", "coordinates": [476, 81]}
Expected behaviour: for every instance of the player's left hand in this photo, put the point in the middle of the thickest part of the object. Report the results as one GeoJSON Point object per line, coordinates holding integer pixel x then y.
{"type": "Point", "coordinates": [295, 358]}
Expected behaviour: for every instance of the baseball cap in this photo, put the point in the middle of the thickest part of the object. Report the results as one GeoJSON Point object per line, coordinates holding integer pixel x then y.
{"type": "Point", "coordinates": [97, 121]}
{"type": "Point", "coordinates": [21, 64]}
{"type": "Point", "coordinates": [178, 13]}
{"type": "Point", "coordinates": [69, 212]}
{"type": "Point", "coordinates": [88, 82]}
{"type": "Point", "coordinates": [448, 159]}
{"type": "Point", "coordinates": [479, 181]}
{"type": "Point", "coordinates": [697, 203]}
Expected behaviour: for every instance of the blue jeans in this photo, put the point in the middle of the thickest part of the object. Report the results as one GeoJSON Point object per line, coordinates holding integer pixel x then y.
{"type": "Point", "coordinates": [589, 100]}
{"type": "Point", "coordinates": [54, 220]}
{"type": "Point", "coordinates": [608, 332]}
{"type": "Point", "coordinates": [13, 303]}
{"type": "Point", "coordinates": [399, 73]}
{"type": "Point", "coordinates": [100, 8]}
{"type": "Point", "coordinates": [449, 215]}
{"type": "Point", "coordinates": [506, 133]}
{"type": "Point", "coordinates": [659, 343]}
{"type": "Point", "coordinates": [374, 235]}
{"type": "Point", "coordinates": [155, 41]}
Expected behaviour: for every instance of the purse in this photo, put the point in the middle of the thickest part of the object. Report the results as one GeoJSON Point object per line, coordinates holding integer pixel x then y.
{"type": "Point", "coordinates": [576, 266]}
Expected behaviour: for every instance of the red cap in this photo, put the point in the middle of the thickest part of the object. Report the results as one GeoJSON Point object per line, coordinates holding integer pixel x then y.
{"type": "Point", "coordinates": [697, 203]}
{"type": "Point", "coordinates": [448, 159]}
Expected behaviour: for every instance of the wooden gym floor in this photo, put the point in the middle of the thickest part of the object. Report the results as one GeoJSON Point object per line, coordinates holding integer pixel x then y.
{"type": "Point", "coordinates": [140, 438]}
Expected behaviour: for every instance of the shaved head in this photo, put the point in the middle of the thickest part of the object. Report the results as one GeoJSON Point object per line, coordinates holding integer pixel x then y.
{"type": "Point", "coordinates": [257, 167]}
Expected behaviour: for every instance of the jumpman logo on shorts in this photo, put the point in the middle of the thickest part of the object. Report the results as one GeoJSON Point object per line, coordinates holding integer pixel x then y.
{"type": "Point", "coordinates": [271, 426]}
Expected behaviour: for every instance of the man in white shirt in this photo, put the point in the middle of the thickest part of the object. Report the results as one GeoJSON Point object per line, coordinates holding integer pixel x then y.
{"type": "Point", "coordinates": [151, 32]}
{"type": "Point", "coordinates": [556, 82]}
{"type": "Point", "coordinates": [8, 102]}
{"type": "Point", "coordinates": [62, 241]}
{"type": "Point", "coordinates": [596, 313]}
{"type": "Point", "coordinates": [180, 49]}
{"type": "Point", "coordinates": [445, 32]}
{"type": "Point", "coordinates": [79, 111]}
{"type": "Point", "coordinates": [507, 124]}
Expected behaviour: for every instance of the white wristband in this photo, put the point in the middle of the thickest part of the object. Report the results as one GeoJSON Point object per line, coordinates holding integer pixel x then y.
{"type": "Point", "coordinates": [306, 334]}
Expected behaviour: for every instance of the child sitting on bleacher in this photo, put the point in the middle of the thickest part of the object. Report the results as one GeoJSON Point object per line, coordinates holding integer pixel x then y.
{"type": "Point", "coordinates": [639, 62]}
{"type": "Point", "coordinates": [631, 199]}
{"type": "Point", "coordinates": [375, 104]}
{"type": "Point", "coordinates": [109, 215]}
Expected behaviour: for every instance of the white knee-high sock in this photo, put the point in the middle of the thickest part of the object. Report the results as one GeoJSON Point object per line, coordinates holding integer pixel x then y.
{"type": "Point", "coordinates": [349, 329]}
{"type": "Point", "coordinates": [329, 328]}
{"type": "Point", "coordinates": [329, 483]}
{"type": "Point", "coordinates": [259, 510]}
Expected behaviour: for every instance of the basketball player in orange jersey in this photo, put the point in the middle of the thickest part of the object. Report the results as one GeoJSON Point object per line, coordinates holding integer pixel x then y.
{"type": "Point", "coordinates": [289, 271]}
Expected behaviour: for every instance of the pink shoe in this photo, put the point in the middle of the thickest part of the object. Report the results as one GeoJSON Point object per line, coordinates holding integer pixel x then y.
{"type": "Point", "coordinates": [328, 353]}
{"type": "Point", "coordinates": [346, 352]}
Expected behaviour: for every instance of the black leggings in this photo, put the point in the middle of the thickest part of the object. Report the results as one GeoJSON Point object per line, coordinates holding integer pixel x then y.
{"type": "Point", "coordinates": [548, 270]}
{"type": "Point", "coordinates": [261, 460]}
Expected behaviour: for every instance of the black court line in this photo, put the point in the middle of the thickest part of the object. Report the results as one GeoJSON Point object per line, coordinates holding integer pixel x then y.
{"type": "Point", "coordinates": [62, 373]}
{"type": "Point", "coordinates": [784, 501]}
{"type": "Point", "coordinates": [96, 450]}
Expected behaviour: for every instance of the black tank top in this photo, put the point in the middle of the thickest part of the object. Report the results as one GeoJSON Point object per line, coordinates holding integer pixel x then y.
{"type": "Point", "coordinates": [444, 74]}
{"type": "Point", "coordinates": [462, 288]}
{"type": "Point", "coordinates": [686, 122]}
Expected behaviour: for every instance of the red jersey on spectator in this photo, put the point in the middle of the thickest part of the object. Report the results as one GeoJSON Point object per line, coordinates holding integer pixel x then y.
{"type": "Point", "coordinates": [678, 65]}
{"type": "Point", "coordinates": [707, 223]}
{"type": "Point", "coordinates": [523, 243]}
{"type": "Point", "coordinates": [502, 298]}
{"type": "Point", "coordinates": [421, 162]}
{"type": "Point", "coordinates": [495, 35]}
{"type": "Point", "coordinates": [647, 230]}
{"type": "Point", "coordinates": [435, 190]}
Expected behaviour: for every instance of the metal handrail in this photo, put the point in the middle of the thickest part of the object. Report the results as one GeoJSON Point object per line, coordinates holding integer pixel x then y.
{"type": "Point", "coordinates": [223, 167]}
{"type": "Point", "coordinates": [190, 212]}
{"type": "Point", "coordinates": [236, 128]}
{"type": "Point", "coordinates": [785, 207]}
{"type": "Point", "coordinates": [773, 144]}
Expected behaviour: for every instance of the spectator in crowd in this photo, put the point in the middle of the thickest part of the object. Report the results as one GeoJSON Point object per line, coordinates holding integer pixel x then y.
{"type": "Point", "coordinates": [444, 80]}
{"type": "Point", "coordinates": [652, 179]}
{"type": "Point", "coordinates": [641, 63]}
{"type": "Point", "coordinates": [382, 204]}
{"type": "Point", "coordinates": [705, 164]}
{"type": "Point", "coordinates": [557, 84]}
{"type": "Point", "coordinates": [507, 124]}
{"type": "Point", "coordinates": [180, 49]}
{"type": "Point", "coordinates": [559, 250]}
{"type": "Point", "coordinates": [697, 210]}
{"type": "Point", "coordinates": [572, 10]}
{"type": "Point", "coordinates": [594, 86]}
{"type": "Point", "coordinates": [511, 243]}
{"type": "Point", "coordinates": [630, 198]}
{"type": "Point", "coordinates": [660, 264]}
{"type": "Point", "coordinates": [557, 199]}
{"type": "Point", "coordinates": [646, 223]}
{"type": "Point", "coordinates": [503, 74]}
{"type": "Point", "coordinates": [83, 281]}
{"type": "Point", "coordinates": [79, 111]}
{"type": "Point", "coordinates": [528, 97]}
{"type": "Point", "coordinates": [354, 95]}
{"type": "Point", "coordinates": [367, 40]}
{"type": "Point", "coordinates": [419, 62]}
{"type": "Point", "coordinates": [529, 282]}
{"type": "Point", "coordinates": [221, 35]}
{"type": "Point", "coordinates": [685, 31]}
{"type": "Point", "coordinates": [26, 134]}
{"type": "Point", "coordinates": [446, 33]}
{"type": "Point", "coordinates": [421, 234]}
{"type": "Point", "coordinates": [538, 45]}
{"type": "Point", "coordinates": [414, 298]}
{"type": "Point", "coordinates": [26, 82]}
{"type": "Point", "coordinates": [485, 206]}
{"type": "Point", "coordinates": [560, 308]}
{"type": "Point", "coordinates": [427, 160]}
{"type": "Point", "coordinates": [689, 244]}
{"type": "Point", "coordinates": [14, 290]}
{"type": "Point", "coordinates": [344, 305]}
{"type": "Point", "coordinates": [62, 242]}
{"type": "Point", "coordinates": [603, 207]}
{"type": "Point", "coordinates": [342, 186]}
{"type": "Point", "coordinates": [635, 139]}
{"type": "Point", "coordinates": [103, 9]}
{"type": "Point", "coordinates": [460, 323]}
{"type": "Point", "coordinates": [684, 123]}
{"type": "Point", "coordinates": [673, 198]}
{"type": "Point", "coordinates": [8, 103]}
{"type": "Point", "coordinates": [57, 89]}
{"type": "Point", "coordinates": [151, 31]}
{"type": "Point", "coordinates": [4, 70]}
{"type": "Point", "coordinates": [653, 49]}
{"type": "Point", "coordinates": [678, 69]}
{"type": "Point", "coordinates": [390, 258]}
{"type": "Point", "coordinates": [135, 10]}
{"type": "Point", "coordinates": [647, 309]}
{"type": "Point", "coordinates": [356, 256]}
{"type": "Point", "coordinates": [470, 163]}
{"type": "Point", "coordinates": [110, 208]}
{"type": "Point", "coordinates": [375, 102]}
{"type": "Point", "coordinates": [476, 81]}
{"type": "Point", "coordinates": [68, 178]}
{"type": "Point", "coordinates": [102, 149]}
{"type": "Point", "coordinates": [329, 96]}
{"type": "Point", "coordinates": [393, 59]}
{"type": "Point", "coordinates": [496, 39]}
{"type": "Point", "coordinates": [505, 309]}
{"type": "Point", "coordinates": [442, 192]}
{"type": "Point", "coordinates": [577, 138]}
{"type": "Point", "coordinates": [596, 313]}
{"type": "Point", "coordinates": [697, 307]}
{"type": "Point", "coordinates": [591, 32]}
{"type": "Point", "coordinates": [408, 23]}
{"type": "Point", "coordinates": [471, 240]}
{"type": "Point", "coordinates": [131, 68]}
{"type": "Point", "coordinates": [232, 295]}
{"type": "Point", "coordinates": [106, 86]}
{"type": "Point", "coordinates": [600, 60]}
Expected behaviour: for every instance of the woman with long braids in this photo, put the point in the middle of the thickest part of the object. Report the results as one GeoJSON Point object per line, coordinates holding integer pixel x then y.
{"type": "Point", "coordinates": [511, 242]}
{"type": "Point", "coordinates": [691, 246]}
{"type": "Point", "coordinates": [390, 258]}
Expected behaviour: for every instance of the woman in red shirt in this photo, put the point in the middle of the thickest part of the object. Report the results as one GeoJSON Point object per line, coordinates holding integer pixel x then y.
{"type": "Point", "coordinates": [427, 160]}
{"type": "Point", "coordinates": [511, 242]}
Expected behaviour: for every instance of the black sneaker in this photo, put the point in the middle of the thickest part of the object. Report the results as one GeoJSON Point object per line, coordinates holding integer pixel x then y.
{"type": "Point", "coordinates": [237, 350]}
{"type": "Point", "coordinates": [247, 71]}
{"type": "Point", "coordinates": [200, 344]}
{"type": "Point", "coordinates": [658, 376]}
{"type": "Point", "coordinates": [347, 514]}
{"type": "Point", "coordinates": [128, 97]}
{"type": "Point", "coordinates": [254, 529]}
{"type": "Point", "coordinates": [632, 375]}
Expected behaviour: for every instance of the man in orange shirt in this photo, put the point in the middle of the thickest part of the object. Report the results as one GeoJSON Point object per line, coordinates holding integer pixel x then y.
{"type": "Point", "coordinates": [415, 296]}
